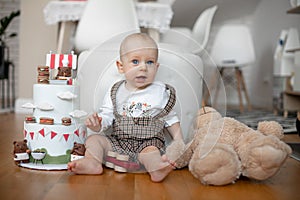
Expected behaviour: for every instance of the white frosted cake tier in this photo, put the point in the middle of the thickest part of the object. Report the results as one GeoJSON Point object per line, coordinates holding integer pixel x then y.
{"type": "Point", "coordinates": [55, 101]}
{"type": "Point", "coordinates": [56, 140]}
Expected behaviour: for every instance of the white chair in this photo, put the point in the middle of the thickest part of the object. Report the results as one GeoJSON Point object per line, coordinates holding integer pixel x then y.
{"type": "Point", "coordinates": [97, 72]}
{"type": "Point", "coordinates": [159, 1]}
{"type": "Point", "coordinates": [171, 2]}
{"type": "Point", "coordinates": [194, 40]}
{"type": "Point", "coordinates": [103, 19]}
{"type": "Point", "coordinates": [233, 48]}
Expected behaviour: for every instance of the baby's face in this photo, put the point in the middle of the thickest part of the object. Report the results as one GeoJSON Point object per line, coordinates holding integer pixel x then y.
{"type": "Point", "coordinates": [139, 67]}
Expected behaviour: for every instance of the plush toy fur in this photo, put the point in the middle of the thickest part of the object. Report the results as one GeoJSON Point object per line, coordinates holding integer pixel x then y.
{"type": "Point", "coordinates": [64, 72]}
{"type": "Point", "coordinates": [21, 152]}
{"type": "Point", "coordinates": [223, 149]}
{"type": "Point", "coordinates": [78, 149]}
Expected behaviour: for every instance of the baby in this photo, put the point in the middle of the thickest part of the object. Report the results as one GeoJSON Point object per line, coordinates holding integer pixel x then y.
{"type": "Point", "coordinates": [138, 109]}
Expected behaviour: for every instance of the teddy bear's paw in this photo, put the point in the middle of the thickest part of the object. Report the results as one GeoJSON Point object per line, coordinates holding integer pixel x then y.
{"type": "Point", "coordinates": [271, 128]}
{"type": "Point", "coordinates": [264, 158]}
{"type": "Point", "coordinates": [220, 167]}
{"type": "Point", "coordinates": [175, 152]}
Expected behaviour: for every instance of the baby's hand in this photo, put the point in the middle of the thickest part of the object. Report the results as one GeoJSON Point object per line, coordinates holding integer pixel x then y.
{"type": "Point", "coordinates": [93, 122]}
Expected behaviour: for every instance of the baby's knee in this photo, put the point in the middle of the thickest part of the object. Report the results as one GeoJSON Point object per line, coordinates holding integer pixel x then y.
{"type": "Point", "coordinates": [149, 149]}
{"type": "Point", "coordinates": [92, 137]}
{"type": "Point", "coordinates": [96, 139]}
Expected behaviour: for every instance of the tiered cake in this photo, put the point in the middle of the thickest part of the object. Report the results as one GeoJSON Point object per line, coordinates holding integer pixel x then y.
{"type": "Point", "coordinates": [55, 124]}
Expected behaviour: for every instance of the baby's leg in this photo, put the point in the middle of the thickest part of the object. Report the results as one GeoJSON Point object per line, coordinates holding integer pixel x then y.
{"type": "Point", "coordinates": [158, 166]}
{"type": "Point", "coordinates": [96, 147]}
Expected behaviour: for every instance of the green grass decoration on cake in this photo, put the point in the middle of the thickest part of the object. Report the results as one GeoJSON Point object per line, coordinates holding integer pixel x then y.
{"type": "Point", "coordinates": [62, 159]}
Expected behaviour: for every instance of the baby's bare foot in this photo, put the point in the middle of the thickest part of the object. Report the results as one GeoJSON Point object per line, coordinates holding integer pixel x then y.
{"type": "Point", "coordinates": [85, 166]}
{"type": "Point", "coordinates": [166, 167]}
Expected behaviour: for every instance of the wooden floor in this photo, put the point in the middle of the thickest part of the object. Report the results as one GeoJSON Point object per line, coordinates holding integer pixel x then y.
{"type": "Point", "coordinates": [21, 183]}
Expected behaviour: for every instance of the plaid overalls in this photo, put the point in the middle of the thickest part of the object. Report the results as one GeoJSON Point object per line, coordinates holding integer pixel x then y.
{"type": "Point", "coordinates": [131, 135]}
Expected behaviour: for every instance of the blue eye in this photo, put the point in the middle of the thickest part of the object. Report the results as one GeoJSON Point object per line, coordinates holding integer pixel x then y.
{"type": "Point", "coordinates": [150, 62]}
{"type": "Point", "coordinates": [135, 62]}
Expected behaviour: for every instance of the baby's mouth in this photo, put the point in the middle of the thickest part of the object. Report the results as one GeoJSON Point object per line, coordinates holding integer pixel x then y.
{"type": "Point", "coordinates": [141, 78]}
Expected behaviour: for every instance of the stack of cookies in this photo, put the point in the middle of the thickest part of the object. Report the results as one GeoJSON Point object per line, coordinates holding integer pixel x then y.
{"type": "Point", "coordinates": [43, 74]}
{"type": "Point", "coordinates": [46, 120]}
{"type": "Point", "coordinates": [66, 121]}
{"type": "Point", "coordinates": [30, 119]}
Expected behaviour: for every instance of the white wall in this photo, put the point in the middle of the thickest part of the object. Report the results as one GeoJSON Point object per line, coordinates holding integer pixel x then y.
{"type": "Point", "coordinates": [36, 40]}
{"type": "Point", "coordinates": [269, 19]}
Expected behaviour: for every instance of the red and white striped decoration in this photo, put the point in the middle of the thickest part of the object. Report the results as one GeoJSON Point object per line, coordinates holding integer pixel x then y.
{"type": "Point", "coordinates": [56, 60]}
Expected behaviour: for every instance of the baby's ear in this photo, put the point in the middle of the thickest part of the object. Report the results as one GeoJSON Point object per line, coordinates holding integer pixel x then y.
{"type": "Point", "coordinates": [157, 64]}
{"type": "Point", "coordinates": [120, 66]}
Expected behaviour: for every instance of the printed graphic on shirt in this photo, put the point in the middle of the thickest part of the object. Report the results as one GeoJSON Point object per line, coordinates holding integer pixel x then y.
{"type": "Point", "coordinates": [136, 109]}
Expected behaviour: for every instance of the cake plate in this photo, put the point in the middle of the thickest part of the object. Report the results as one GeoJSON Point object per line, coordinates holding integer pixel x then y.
{"type": "Point", "coordinates": [48, 167]}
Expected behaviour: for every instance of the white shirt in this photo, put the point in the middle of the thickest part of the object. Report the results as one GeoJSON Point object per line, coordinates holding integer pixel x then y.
{"type": "Point", "coordinates": [146, 102]}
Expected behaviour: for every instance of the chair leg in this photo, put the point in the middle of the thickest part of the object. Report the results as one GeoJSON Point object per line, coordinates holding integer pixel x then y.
{"type": "Point", "coordinates": [210, 87]}
{"type": "Point", "coordinates": [285, 114]}
{"type": "Point", "coordinates": [217, 87]}
{"type": "Point", "coordinates": [205, 97]}
{"type": "Point", "coordinates": [241, 88]}
{"type": "Point", "coordinates": [238, 78]}
{"type": "Point", "coordinates": [3, 94]}
{"type": "Point", "coordinates": [245, 90]}
{"type": "Point", "coordinates": [61, 34]}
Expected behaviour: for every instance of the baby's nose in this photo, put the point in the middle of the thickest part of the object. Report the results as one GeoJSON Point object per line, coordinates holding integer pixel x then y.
{"type": "Point", "coordinates": [143, 66]}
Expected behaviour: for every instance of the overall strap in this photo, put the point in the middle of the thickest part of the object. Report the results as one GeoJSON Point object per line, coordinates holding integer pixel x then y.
{"type": "Point", "coordinates": [113, 96]}
{"type": "Point", "coordinates": [170, 104]}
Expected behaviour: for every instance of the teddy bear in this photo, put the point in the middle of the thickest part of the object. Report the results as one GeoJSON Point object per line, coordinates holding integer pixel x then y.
{"type": "Point", "coordinates": [223, 149]}
{"type": "Point", "coordinates": [21, 152]}
{"type": "Point", "coordinates": [64, 72]}
{"type": "Point", "coordinates": [78, 151]}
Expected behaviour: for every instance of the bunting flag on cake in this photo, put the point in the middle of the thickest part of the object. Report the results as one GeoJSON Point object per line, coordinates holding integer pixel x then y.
{"type": "Point", "coordinates": [42, 132]}
{"type": "Point", "coordinates": [76, 132]}
{"type": "Point", "coordinates": [56, 60]}
{"type": "Point", "coordinates": [66, 136]}
{"type": "Point", "coordinates": [31, 135]}
{"type": "Point", "coordinates": [25, 133]}
{"type": "Point", "coordinates": [46, 132]}
{"type": "Point", "coordinates": [53, 134]}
